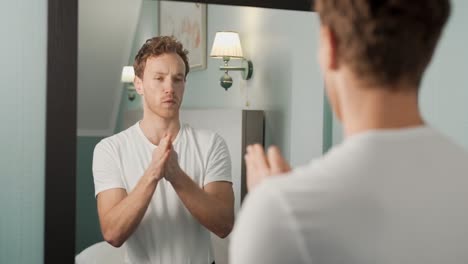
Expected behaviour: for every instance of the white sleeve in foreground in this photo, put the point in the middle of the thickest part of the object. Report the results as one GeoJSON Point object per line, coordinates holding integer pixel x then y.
{"type": "Point", "coordinates": [264, 231]}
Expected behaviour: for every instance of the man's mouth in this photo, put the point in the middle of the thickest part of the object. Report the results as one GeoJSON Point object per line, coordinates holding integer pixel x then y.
{"type": "Point", "coordinates": [169, 101]}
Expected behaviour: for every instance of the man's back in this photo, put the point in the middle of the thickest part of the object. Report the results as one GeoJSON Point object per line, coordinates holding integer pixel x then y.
{"type": "Point", "coordinates": [386, 196]}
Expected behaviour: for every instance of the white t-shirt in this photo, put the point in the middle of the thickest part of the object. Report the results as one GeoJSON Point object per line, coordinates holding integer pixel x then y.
{"type": "Point", "coordinates": [386, 196]}
{"type": "Point", "coordinates": [168, 233]}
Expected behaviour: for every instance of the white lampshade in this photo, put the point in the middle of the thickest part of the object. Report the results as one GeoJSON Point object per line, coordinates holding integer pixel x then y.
{"type": "Point", "coordinates": [227, 44]}
{"type": "Point", "coordinates": [128, 74]}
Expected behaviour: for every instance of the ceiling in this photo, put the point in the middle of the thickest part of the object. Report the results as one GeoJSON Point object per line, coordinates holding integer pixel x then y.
{"type": "Point", "coordinates": [106, 30]}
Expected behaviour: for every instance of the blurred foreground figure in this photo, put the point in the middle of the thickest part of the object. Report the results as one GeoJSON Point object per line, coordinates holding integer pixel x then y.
{"type": "Point", "coordinates": [396, 190]}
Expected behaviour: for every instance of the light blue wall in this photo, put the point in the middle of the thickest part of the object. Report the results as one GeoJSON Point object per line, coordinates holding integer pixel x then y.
{"type": "Point", "coordinates": [106, 29]}
{"type": "Point", "coordinates": [23, 27]}
{"type": "Point", "coordinates": [444, 93]}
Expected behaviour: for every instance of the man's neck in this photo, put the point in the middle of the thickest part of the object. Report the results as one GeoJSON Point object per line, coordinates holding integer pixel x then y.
{"type": "Point", "coordinates": [155, 127]}
{"type": "Point", "coordinates": [374, 108]}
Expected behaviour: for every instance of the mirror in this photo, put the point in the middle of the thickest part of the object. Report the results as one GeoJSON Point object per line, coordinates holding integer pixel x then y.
{"type": "Point", "coordinates": [280, 62]}
{"type": "Point", "coordinates": [108, 41]}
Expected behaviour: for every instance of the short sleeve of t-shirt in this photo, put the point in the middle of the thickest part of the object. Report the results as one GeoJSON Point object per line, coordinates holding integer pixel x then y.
{"type": "Point", "coordinates": [106, 170]}
{"type": "Point", "coordinates": [219, 162]}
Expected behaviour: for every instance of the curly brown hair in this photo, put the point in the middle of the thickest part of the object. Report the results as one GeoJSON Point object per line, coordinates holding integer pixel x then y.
{"type": "Point", "coordinates": [385, 41]}
{"type": "Point", "coordinates": [157, 46]}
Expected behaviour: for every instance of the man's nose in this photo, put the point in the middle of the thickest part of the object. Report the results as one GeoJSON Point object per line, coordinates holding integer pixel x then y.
{"type": "Point", "coordinates": [169, 86]}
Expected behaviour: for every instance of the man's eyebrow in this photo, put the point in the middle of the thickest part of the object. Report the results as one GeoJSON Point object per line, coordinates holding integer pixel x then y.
{"type": "Point", "coordinates": [158, 72]}
{"type": "Point", "coordinates": [165, 73]}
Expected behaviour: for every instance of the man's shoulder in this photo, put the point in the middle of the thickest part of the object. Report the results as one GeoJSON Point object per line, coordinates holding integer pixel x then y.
{"type": "Point", "coordinates": [201, 135]}
{"type": "Point", "coordinates": [198, 131]}
{"type": "Point", "coordinates": [298, 178]}
{"type": "Point", "coordinates": [317, 181]}
{"type": "Point", "coordinates": [117, 140]}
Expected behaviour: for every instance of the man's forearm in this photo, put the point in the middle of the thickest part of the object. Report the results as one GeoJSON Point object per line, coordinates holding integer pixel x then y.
{"type": "Point", "coordinates": [216, 215]}
{"type": "Point", "coordinates": [121, 221]}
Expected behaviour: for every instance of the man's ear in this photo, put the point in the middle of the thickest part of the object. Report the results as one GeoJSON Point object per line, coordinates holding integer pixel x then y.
{"type": "Point", "coordinates": [138, 85]}
{"type": "Point", "coordinates": [328, 49]}
{"type": "Point", "coordinates": [328, 56]}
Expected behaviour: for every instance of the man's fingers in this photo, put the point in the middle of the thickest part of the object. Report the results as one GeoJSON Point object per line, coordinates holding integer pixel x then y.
{"type": "Point", "coordinates": [259, 158]}
{"type": "Point", "coordinates": [164, 145]}
{"type": "Point", "coordinates": [249, 164]}
{"type": "Point", "coordinates": [253, 177]}
{"type": "Point", "coordinates": [257, 167]}
{"type": "Point", "coordinates": [165, 142]}
{"type": "Point", "coordinates": [164, 157]}
{"type": "Point", "coordinates": [274, 157]}
{"type": "Point", "coordinates": [277, 163]}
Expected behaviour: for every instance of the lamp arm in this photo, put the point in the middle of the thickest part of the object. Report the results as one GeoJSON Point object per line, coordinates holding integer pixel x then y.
{"type": "Point", "coordinates": [231, 68]}
{"type": "Point", "coordinates": [246, 68]}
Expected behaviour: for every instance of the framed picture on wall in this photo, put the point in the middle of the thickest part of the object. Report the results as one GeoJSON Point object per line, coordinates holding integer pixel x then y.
{"type": "Point", "coordinates": [186, 22]}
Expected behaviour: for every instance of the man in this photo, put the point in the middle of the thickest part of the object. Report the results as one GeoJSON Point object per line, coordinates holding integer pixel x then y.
{"type": "Point", "coordinates": [162, 186]}
{"type": "Point", "coordinates": [396, 190]}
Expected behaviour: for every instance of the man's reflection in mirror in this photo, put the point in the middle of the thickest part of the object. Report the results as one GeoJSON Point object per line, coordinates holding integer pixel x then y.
{"type": "Point", "coordinates": [162, 186]}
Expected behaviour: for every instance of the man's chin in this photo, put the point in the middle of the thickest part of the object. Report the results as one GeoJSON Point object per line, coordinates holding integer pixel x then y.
{"type": "Point", "coordinates": [168, 113]}
{"type": "Point", "coordinates": [170, 105]}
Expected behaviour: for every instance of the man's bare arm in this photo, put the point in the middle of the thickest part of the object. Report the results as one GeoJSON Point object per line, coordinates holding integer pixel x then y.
{"type": "Point", "coordinates": [212, 206]}
{"type": "Point", "coordinates": [120, 213]}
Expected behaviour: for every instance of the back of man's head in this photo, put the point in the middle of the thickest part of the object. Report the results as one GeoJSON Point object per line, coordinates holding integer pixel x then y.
{"type": "Point", "coordinates": [385, 41]}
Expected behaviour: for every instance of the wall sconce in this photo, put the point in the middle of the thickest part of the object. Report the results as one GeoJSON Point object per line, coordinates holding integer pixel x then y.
{"type": "Point", "coordinates": [128, 75]}
{"type": "Point", "coordinates": [227, 46]}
